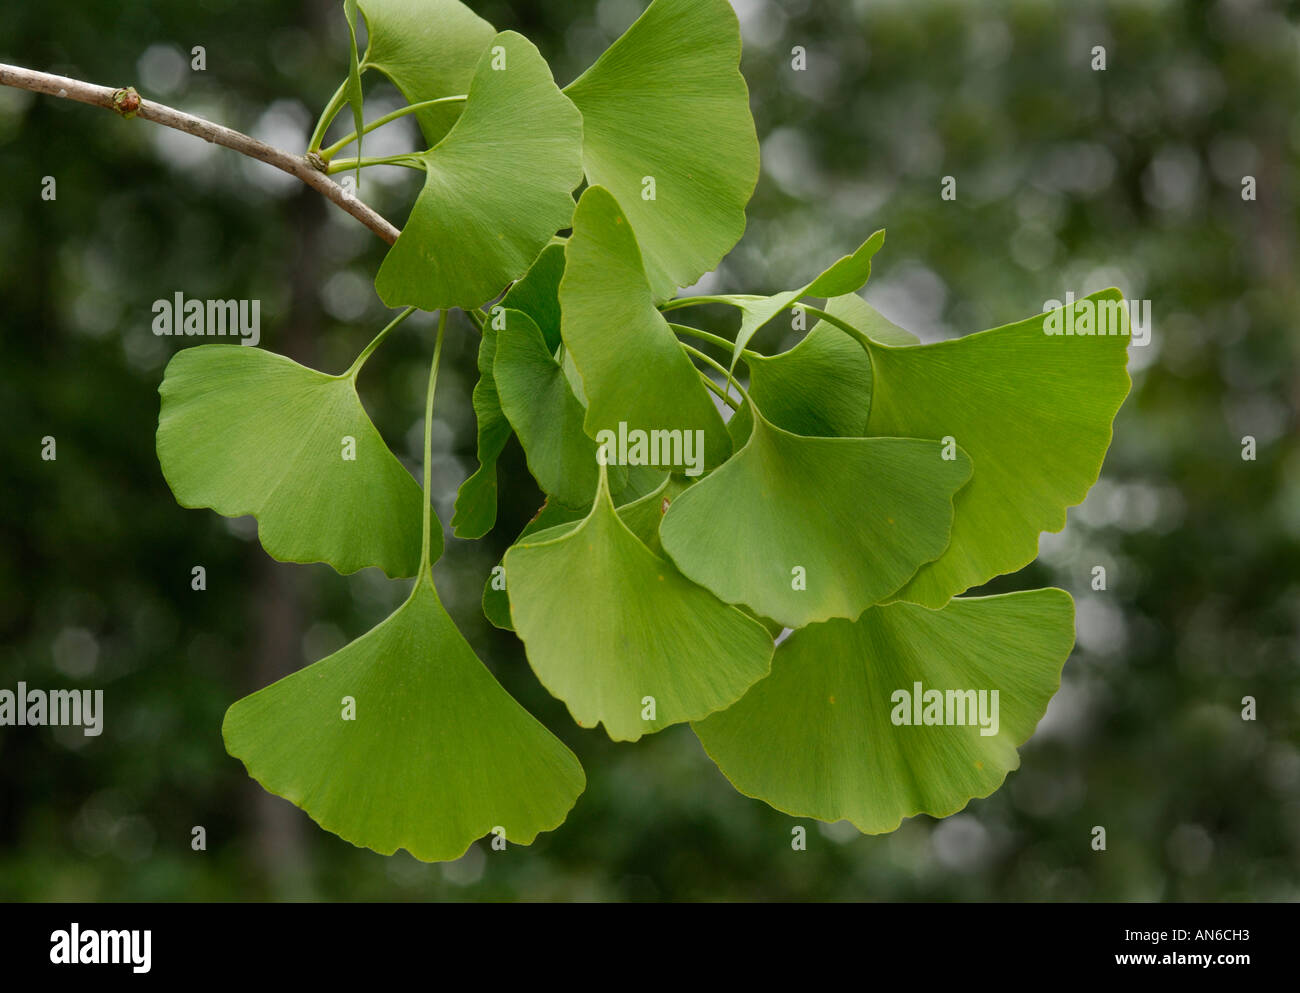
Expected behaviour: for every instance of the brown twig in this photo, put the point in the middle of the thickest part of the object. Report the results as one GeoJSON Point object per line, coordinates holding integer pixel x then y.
{"type": "Point", "coordinates": [126, 102]}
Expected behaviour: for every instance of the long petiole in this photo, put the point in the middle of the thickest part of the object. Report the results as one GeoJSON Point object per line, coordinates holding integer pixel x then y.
{"type": "Point", "coordinates": [355, 368]}
{"type": "Point", "coordinates": [718, 391]}
{"type": "Point", "coordinates": [844, 326]}
{"type": "Point", "coordinates": [379, 122]}
{"type": "Point", "coordinates": [327, 116]}
{"type": "Point", "coordinates": [344, 165]}
{"type": "Point", "coordinates": [425, 564]}
{"type": "Point", "coordinates": [712, 339]}
{"type": "Point", "coordinates": [733, 300]}
{"type": "Point", "coordinates": [710, 361]}
{"type": "Point", "coordinates": [867, 344]}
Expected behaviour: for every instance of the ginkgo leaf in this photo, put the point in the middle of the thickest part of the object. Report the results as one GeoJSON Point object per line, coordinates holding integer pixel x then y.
{"type": "Point", "coordinates": [634, 372]}
{"type": "Point", "coordinates": [667, 129]}
{"type": "Point", "coordinates": [642, 516]}
{"type": "Point", "coordinates": [476, 500]}
{"type": "Point", "coordinates": [1034, 412]}
{"type": "Point", "coordinates": [246, 431]}
{"type": "Point", "coordinates": [804, 529]}
{"type": "Point", "coordinates": [537, 294]}
{"type": "Point", "coordinates": [846, 276]}
{"type": "Point", "coordinates": [496, 599]}
{"type": "Point", "coordinates": [855, 311]}
{"type": "Point", "coordinates": [403, 739]}
{"type": "Point", "coordinates": [352, 88]}
{"type": "Point", "coordinates": [496, 188]}
{"type": "Point", "coordinates": [823, 737]}
{"type": "Point", "coordinates": [554, 519]}
{"type": "Point", "coordinates": [546, 416]}
{"type": "Point", "coordinates": [429, 49]}
{"type": "Point", "coordinates": [618, 634]}
{"type": "Point", "coordinates": [821, 387]}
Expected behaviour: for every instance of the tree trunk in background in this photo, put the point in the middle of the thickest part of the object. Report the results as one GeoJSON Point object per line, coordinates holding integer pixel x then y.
{"type": "Point", "coordinates": [280, 826]}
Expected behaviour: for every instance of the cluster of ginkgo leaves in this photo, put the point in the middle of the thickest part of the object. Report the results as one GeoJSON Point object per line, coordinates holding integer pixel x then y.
{"type": "Point", "coordinates": [858, 483]}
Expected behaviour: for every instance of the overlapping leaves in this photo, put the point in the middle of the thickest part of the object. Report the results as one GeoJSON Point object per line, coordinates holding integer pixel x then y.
{"type": "Point", "coordinates": [633, 371]}
{"type": "Point", "coordinates": [497, 187]}
{"type": "Point", "coordinates": [618, 634]}
{"type": "Point", "coordinates": [822, 736]}
{"type": "Point", "coordinates": [863, 481]}
{"type": "Point", "coordinates": [667, 130]}
{"type": "Point", "coordinates": [429, 49]}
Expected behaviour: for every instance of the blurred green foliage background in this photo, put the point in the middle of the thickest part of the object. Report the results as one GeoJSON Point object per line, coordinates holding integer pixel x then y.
{"type": "Point", "coordinates": [1067, 179]}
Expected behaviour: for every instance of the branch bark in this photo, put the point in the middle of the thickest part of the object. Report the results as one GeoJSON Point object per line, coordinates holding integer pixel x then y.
{"type": "Point", "coordinates": [124, 102]}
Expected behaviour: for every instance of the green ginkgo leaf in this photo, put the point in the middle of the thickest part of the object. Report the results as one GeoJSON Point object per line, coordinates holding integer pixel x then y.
{"type": "Point", "coordinates": [634, 372]}
{"type": "Point", "coordinates": [476, 500]}
{"type": "Point", "coordinates": [823, 737]}
{"type": "Point", "coordinates": [429, 49]}
{"type": "Point", "coordinates": [403, 739]}
{"type": "Point", "coordinates": [618, 634]}
{"type": "Point", "coordinates": [246, 431]}
{"type": "Point", "coordinates": [537, 294]}
{"type": "Point", "coordinates": [667, 129]}
{"type": "Point", "coordinates": [805, 529]}
{"type": "Point", "coordinates": [496, 188]}
{"type": "Point", "coordinates": [1033, 410]}
{"type": "Point", "coordinates": [857, 312]}
{"type": "Point", "coordinates": [352, 88]}
{"type": "Point", "coordinates": [820, 388]}
{"type": "Point", "coordinates": [846, 276]}
{"type": "Point", "coordinates": [642, 516]}
{"type": "Point", "coordinates": [496, 599]}
{"type": "Point", "coordinates": [555, 519]}
{"type": "Point", "coordinates": [546, 416]}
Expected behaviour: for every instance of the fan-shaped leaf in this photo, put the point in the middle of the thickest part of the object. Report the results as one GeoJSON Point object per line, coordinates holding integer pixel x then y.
{"type": "Point", "coordinates": [821, 736]}
{"type": "Point", "coordinates": [804, 529]}
{"type": "Point", "coordinates": [429, 49]}
{"type": "Point", "coordinates": [496, 600]}
{"type": "Point", "coordinates": [819, 388]}
{"type": "Point", "coordinates": [546, 416]}
{"type": "Point", "coordinates": [856, 312]}
{"type": "Point", "coordinates": [667, 105]}
{"type": "Point", "coordinates": [496, 188]}
{"type": "Point", "coordinates": [537, 294]}
{"type": "Point", "coordinates": [608, 624]}
{"type": "Point", "coordinates": [434, 755]}
{"type": "Point", "coordinates": [554, 519]}
{"type": "Point", "coordinates": [1033, 410]}
{"type": "Point", "coordinates": [846, 276]}
{"type": "Point", "coordinates": [476, 501]}
{"type": "Point", "coordinates": [245, 431]}
{"type": "Point", "coordinates": [632, 368]}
